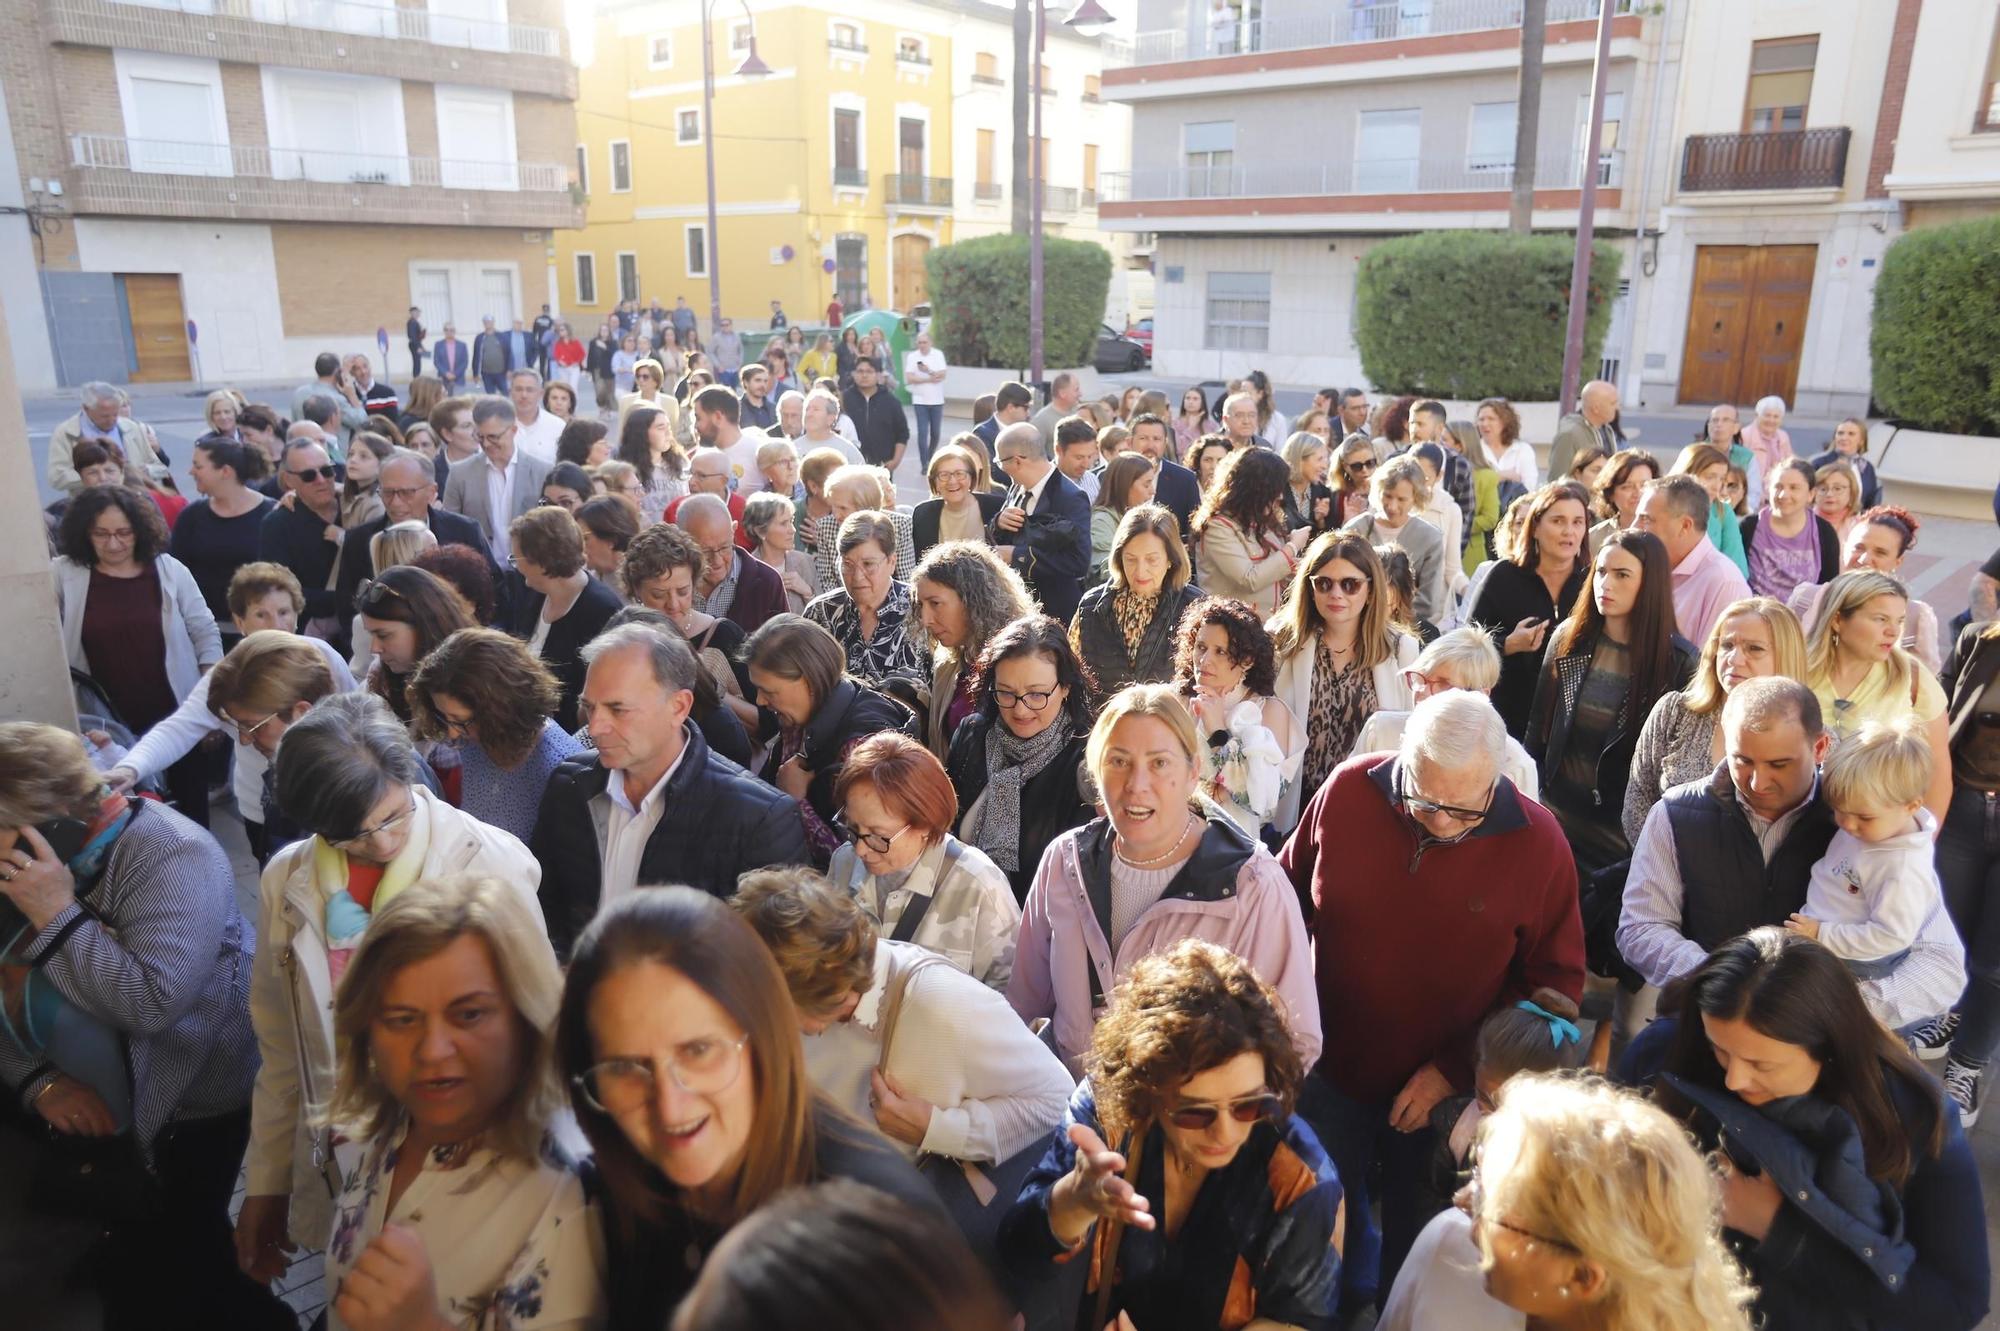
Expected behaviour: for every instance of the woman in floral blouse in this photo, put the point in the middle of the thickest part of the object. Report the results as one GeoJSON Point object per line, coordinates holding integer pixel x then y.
{"type": "Point", "coordinates": [464, 1210]}
{"type": "Point", "coordinates": [870, 613]}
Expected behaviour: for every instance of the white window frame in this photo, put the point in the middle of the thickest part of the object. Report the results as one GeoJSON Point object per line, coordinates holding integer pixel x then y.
{"type": "Point", "coordinates": [653, 60]}
{"type": "Point", "coordinates": [1209, 325]}
{"type": "Point", "coordinates": [193, 70]}
{"type": "Point", "coordinates": [579, 262]}
{"type": "Point", "coordinates": [583, 168]}
{"type": "Point", "coordinates": [923, 48]}
{"type": "Point", "coordinates": [509, 179]}
{"type": "Point", "coordinates": [1407, 185]}
{"type": "Point", "coordinates": [741, 31]}
{"type": "Point", "coordinates": [688, 230]}
{"type": "Point", "coordinates": [284, 145]}
{"type": "Point", "coordinates": [618, 259]}
{"type": "Point", "coordinates": [681, 140]}
{"type": "Point", "coordinates": [855, 102]}
{"type": "Point", "coordinates": [1204, 175]}
{"type": "Point", "coordinates": [833, 27]}
{"type": "Point", "coordinates": [1476, 161]}
{"type": "Point", "coordinates": [611, 161]}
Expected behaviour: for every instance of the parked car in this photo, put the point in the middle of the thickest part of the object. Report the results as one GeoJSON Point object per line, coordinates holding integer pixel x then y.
{"type": "Point", "coordinates": [1142, 333]}
{"type": "Point", "coordinates": [1117, 352]}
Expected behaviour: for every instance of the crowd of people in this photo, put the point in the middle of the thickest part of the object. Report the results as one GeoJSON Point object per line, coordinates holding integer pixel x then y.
{"type": "Point", "coordinates": [1195, 869]}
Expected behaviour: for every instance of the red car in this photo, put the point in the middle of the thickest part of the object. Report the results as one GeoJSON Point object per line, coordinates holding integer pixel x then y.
{"type": "Point", "coordinates": [1142, 333]}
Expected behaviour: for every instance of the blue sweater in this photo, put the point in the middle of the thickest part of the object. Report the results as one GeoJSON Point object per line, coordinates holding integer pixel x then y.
{"type": "Point", "coordinates": [508, 800]}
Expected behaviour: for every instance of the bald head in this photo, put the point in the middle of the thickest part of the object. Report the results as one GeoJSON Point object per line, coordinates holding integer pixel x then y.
{"type": "Point", "coordinates": [1019, 438]}
{"type": "Point", "coordinates": [708, 472]}
{"type": "Point", "coordinates": [305, 430]}
{"type": "Point", "coordinates": [1599, 402]}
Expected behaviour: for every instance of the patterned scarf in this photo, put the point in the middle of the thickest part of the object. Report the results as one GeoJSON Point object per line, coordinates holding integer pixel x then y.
{"type": "Point", "coordinates": [1010, 764]}
{"type": "Point", "coordinates": [1134, 614]}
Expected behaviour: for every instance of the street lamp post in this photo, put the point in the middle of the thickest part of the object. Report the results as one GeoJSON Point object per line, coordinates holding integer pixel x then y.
{"type": "Point", "coordinates": [751, 68]}
{"type": "Point", "coordinates": [1087, 17]}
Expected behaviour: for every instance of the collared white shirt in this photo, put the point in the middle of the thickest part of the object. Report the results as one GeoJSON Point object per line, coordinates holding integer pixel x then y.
{"type": "Point", "coordinates": [627, 830]}
{"type": "Point", "coordinates": [538, 440]}
{"type": "Point", "coordinates": [499, 498]}
{"type": "Point", "coordinates": [1034, 495]}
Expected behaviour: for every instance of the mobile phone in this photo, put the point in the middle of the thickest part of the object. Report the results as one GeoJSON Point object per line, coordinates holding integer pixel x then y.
{"type": "Point", "coordinates": [66, 836]}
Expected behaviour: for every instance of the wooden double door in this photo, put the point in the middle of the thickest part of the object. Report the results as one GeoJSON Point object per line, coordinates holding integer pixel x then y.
{"type": "Point", "coordinates": [1746, 322]}
{"type": "Point", "coordinates": [159, 327]}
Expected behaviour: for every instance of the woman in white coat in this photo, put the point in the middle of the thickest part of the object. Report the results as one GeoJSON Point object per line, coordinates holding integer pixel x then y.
{"type": "Point", "coordinates": [1340, 660]}
{"type": "Point", "coordinates": [347, 772]}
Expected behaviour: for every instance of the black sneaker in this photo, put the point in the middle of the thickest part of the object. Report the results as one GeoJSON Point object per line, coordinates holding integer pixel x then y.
{"type": "Point", "coordinates": [1961, 1083]}
{"type": "Point", "coordinates": [1932, 1040]}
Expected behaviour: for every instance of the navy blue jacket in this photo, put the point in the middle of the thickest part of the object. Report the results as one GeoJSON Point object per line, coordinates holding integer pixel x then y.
{"type": "Point", "coordinates": [1821, 1266]}
{"type": "Point", "coordinates": [1052, 551]}
{"type": "Point", "coordinates": [1178, 491]}
{"type": "Point", "coordinates": [356, 566]}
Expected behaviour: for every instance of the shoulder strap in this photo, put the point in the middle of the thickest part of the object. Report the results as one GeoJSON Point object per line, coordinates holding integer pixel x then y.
{"type": "Point", "coordinates": [892, 1001]}
{"type": "Point", "coordinates": [920, 903]}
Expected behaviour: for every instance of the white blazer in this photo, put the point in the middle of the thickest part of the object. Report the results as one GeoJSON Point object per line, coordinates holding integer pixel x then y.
{"type": "Point", "coordinates": [194, 643]}
{"type": "Point", "coordinates": [1295, 689]}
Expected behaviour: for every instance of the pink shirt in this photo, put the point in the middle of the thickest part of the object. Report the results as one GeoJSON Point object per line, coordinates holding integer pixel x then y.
{"type": "Point", "coordinates": [1705, 583]}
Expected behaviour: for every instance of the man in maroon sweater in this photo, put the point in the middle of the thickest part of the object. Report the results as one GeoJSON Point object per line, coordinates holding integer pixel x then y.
{"type": "Point", "coordinates": [1442, 894]}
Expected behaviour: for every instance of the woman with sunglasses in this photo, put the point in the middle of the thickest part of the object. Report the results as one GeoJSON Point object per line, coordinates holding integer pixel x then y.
{"type": "Point", "coordinates": [1170, 864]}
{"type": "Point", "coordinates": [1017, 762]}
{"type": "Point", "coordinates": [680, 1046]}
{"type": "Point", "coordinates": [1588, 1208]}
{"type": "Point", "coordinates": [1522, 596]}
{"type": "Point", "coordinates": [465, 1209]}
{"type": "Point", "coordinates": [913, 878]}
{"type": "Point", "coordinates": [1181, 1179]}
{"type": "Point", "coordinates": [406, 613]}
{"type": "Point", "coordinates": [1240, 539]}
{"type": "Point", "coordinates": [1340, 658]}
{"type": "Point", "coordinates": [348, 774]}
{"type": "Point", "coordinates": [1353, 470]}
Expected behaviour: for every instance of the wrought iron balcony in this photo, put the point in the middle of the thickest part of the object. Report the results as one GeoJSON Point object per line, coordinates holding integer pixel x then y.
{"type": "Point", "coordinates": [990, 80]}
{"type": "Point", "coordinates": [1059, 198]}
{"type": "Point", "coordinates": [850, 177]}
{"type": "Point", "coordinates": [986, 191]}
{"type": "Point", "coordinates": [917, 191]}
{"type": "Point", "coordinates": [1089, 199]}
{"type": "Point", "coordinates": [845, 47]}
{"type": "Point", "coordinates": [1777, 159]}
{"type": "Point", "coordinates": [351, 36]}
{"type": "Point", "coordinates": [1333, 25]}
{"type": "Point", "coordinates": [1341, 179]}
{"type": "Point", "coordinates": [912, 58]}
{"type": "Point", "coordinates": [113, 174]}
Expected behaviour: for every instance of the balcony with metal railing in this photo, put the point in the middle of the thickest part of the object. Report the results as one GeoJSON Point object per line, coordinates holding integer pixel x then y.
{"type": "Point", "coordinates": [1332, 25]}
{"type": "Point", "coordinates": [344, 36]}
{"type": "Point", "coordinates": [1793, 159]}
{"type": "Point", "coordinates": [987, 191]}
{"type": "Point", "coordinates": [162, 178]}
{"type": "Point", "coordinates": [850, 177]}
{"type": "Point", "coordinates": [1059, 198]}
{"type": "Point", "coordinates": [918, 193]}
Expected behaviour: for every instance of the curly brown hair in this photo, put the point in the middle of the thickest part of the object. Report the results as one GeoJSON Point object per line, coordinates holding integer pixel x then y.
{"type": "Point", "coordinates": [659, 549]}
{"type": "Point", "coordinates": [505, 686]}
{"type": "Point", "coordinates": [1249, 644]}
{"type": "Point", "coordinates": [822, 940]}
{"type": "Point", "coordinates": [1248, 485]}
{"type": "Point", "coordinates": [1177, 1014]}
{"type": "Point", "coordinates": [149, 529]}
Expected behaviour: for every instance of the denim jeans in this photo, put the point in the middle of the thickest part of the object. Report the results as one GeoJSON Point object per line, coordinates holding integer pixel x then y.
{"type": "Point", "coordinates": [930, 427]}
{"type": "Point", "coordinates": [1358, 1137]}
{"type": "Point", "coordinates": [1968, 862]}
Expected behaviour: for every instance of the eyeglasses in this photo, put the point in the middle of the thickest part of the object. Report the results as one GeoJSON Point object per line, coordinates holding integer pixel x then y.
{"type": "Point", "coordinates": [1327, 586]}
{"type": "Point", "coordinates": [1417, 679]}
{"type": "Point", "coordinates": [341, 843]}
{"type": "Point", "coordinates": [113, 537]}
{"type": "Point", "coordinates": [244, 732]}
{"type": "Point", "coordinates": [952, 474]}
{"type": "Point", "coordinates": [449, 725]}
{"type": "Point", "coordinates": [699, 1067]}
{"type": "Point", "coordinates": [1420, 807]}
{"type": "Point", "coordinates": [1250, 1109]}
{"type": "Point", "coordinates": [400, 493]}
{"type": "Point", "coordinates": [1472, 1200]}
{"type": "Point", "coordinates": [1034, 699]}
{"type": "Point", "coordinates": [718, 554]}
{"type": "Point", "coordinates": [372, 593]}
{"type": "Point", "coordinates": [862, 568]}
{"type": "Point", "coordinates": [873, 840]}
{"type": "Point", "coordinates": [311, 474]}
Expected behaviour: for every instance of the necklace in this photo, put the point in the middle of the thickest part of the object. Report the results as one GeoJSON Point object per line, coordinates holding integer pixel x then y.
{"type": "Point", "coordinates": [1158, 860]}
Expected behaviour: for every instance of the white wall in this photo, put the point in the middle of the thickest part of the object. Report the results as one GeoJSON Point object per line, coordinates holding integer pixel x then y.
{"type": "Point", "coordinates": [1312, 303]}
{"type": "Point", "coordinates": [27, 319]}
{"type": "Point", "coordinates": [1937, 153]}
{"type": "Point", "coordinates": [229, 286]}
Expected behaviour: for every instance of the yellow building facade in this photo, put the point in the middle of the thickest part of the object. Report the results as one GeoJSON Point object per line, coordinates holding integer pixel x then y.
{"type": "Point", "coordinates": [832, 172]}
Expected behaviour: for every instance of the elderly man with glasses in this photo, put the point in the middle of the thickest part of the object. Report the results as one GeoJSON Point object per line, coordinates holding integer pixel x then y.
{"type": "Point", "coordinates": [1434, 866]}
{"type": "Point", "coordinates": [409, 494]}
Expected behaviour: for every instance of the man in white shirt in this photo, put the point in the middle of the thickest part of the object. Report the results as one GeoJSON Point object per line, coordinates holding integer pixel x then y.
{"type": "Point", "coordinates": [535, 430]}
{"type": "Point", "coordinates": [499, 485]}
{"type": "Point", "coordinates": [718, 415]}
{"type": "Point", "coordinates": [924, 374]}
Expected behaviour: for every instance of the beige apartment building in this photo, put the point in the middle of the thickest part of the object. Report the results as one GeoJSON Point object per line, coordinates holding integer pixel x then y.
{"type": "Point", "coordinates": [219, 189]}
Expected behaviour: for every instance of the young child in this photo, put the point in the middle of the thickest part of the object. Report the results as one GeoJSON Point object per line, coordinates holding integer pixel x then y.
{"type": "Point", "coordinates": [1877, 883]}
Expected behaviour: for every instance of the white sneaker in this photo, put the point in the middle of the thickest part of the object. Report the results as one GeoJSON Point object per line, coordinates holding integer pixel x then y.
{"type": "Point", "coordinates": [1932, 1040]}
{"type": "Point", "coordinates": [1961, 1083]}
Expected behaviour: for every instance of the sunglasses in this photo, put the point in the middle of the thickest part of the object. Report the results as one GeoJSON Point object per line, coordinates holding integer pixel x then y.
{"type": "Point", "coordinates": [372, 593]}
{"type": "Point", "coordinates": [311, 474]}
{"type": "Point", "coordinates": [1327, 586]}
{"type": "Point", "coordinates": [1250, 1109]}
{"type": "Point", "coordinates": [1361, 464]}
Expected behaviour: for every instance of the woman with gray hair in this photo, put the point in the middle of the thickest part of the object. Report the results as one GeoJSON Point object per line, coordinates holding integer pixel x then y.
{"type": "Point", "coordinates": [1397, 495]}
{"type": "Point", "coordinates": [123, 964]}
{"type": "Point", "coordinates": [348, 774]}
{"type": "Point", "coordinates": [870, 612]}
{"type": "Point", "coordinates": [1464, 658]}
{"type": "Point", "coordinates": [770, 520]}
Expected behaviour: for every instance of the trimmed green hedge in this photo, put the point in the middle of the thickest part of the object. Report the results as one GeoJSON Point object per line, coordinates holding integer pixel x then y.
{"type": "Point", "coordinates": [979, 300]}
{"type": "Point", "coordinates": [1471, 314]}
{"type": "Point", "coordinates": [1936, 340]}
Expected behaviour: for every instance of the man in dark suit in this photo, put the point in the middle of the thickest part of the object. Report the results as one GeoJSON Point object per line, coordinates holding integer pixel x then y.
{"type": "Point", "coordinates": [449, 360]}
{"type": "Point", "coordinates": [1012, 402]}
{"type": "Point", "coordinates": [653, 804]}
{"type": "Point", "coordinates": [1044, 528]}
{"type": "Point", "coordinates": [1176, 490]}
{"type": "Point", "coordinates": [408, 495]}
{"type": "Point", "coordinates": [414, 331]}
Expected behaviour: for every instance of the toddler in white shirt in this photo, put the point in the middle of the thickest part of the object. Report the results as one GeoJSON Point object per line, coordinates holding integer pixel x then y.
{"type": "Point", "coordinates": [1877, 884]}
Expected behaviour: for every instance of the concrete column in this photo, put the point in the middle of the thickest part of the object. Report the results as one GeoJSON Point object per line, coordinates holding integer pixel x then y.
{"type": "Point", "coordinates": [34, 671]}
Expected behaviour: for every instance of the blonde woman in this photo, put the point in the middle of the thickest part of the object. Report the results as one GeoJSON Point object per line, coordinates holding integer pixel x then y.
{"type": "Point", "coordinates": [1308, 501]}
{"type": "Point", "coordinates": [1856, 665]}
{"type": "Point", "coordinates": [465, 1210]}
{"type": "Point", "coordinates": [1681, 740]}
{"type": "Point", "coordinates": [1589, 1208]}
{"type": "Point", "coordinates": [1837, 496]}
{"type": "Point", "coordinates": [1486, 508]}
{"type": "Point", "coordinates": [397, 543]}
{"type": "Point", "coordinates": [1340, 659]}
{"type": "Point", "coordinates": [219, 409]}
{"type": "Point", "coordinates": [1397, 493]}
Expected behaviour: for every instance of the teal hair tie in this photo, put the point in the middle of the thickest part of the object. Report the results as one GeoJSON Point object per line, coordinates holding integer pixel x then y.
{"type": "Point", "coordinates": [1560, 1028]}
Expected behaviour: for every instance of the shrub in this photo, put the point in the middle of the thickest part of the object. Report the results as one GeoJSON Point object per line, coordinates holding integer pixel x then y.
{"type": "Point", "coordinates": [979, 299]}
{"type": "Point", "coordinates": [1471, 314]}
{"type": "Point", "coordinates": [1935, 346]}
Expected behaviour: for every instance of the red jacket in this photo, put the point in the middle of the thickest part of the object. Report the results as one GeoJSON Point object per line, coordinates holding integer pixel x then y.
{"type": "Point", "coordinates": [1412, 951]}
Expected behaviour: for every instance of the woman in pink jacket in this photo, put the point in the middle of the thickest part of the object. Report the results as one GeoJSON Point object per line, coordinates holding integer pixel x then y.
{"type": "Point", "coordinates": [1163, 864]}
